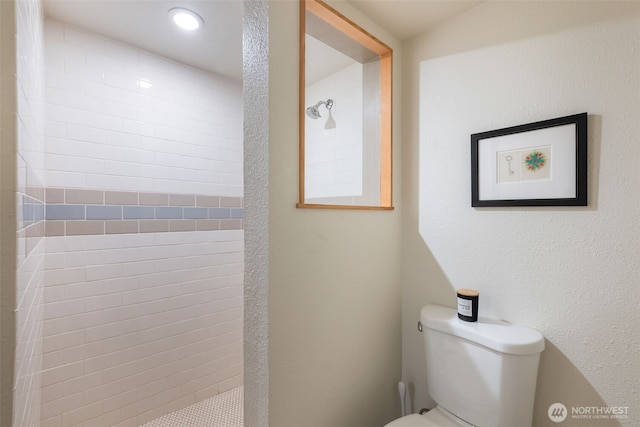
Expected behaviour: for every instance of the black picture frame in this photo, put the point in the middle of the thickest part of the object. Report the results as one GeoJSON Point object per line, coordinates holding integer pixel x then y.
{"type": "Point", "coordinates": [536, 164]}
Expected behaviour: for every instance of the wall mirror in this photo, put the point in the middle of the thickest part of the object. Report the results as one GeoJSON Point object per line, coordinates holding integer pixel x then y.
{"type": "Point", "coordinates": [345, 113]}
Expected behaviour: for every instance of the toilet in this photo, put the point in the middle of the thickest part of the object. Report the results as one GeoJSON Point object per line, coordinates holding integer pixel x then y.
{"type": "Point", "coordinates": [480, 374]}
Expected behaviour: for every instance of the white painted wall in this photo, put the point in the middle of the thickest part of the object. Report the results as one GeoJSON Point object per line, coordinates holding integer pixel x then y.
{"type": "Point", "coordinates": [571, 273]}
{"type": "Point", "coordinates": [334, 298]}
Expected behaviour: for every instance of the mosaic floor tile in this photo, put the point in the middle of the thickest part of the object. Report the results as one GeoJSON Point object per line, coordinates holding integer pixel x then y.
{"type": "Point", "coordinates": [223, 410]}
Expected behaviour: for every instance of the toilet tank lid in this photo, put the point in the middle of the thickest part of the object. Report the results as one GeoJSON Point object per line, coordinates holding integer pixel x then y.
{"type": "Point", "coordinates": [494, 334]}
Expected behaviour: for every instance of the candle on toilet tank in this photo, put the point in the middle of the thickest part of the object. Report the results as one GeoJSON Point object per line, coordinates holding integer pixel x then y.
{"type": "Point", "coordinates": [468, 304]}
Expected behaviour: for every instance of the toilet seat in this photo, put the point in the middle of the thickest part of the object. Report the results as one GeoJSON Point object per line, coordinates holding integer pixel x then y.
{"type": "Point", "coordinates": [413, 420]}
{"type": "Point", "coordinates": [435, 418]}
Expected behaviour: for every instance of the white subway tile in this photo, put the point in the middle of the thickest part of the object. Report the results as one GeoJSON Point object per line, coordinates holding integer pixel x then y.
{"type": "Point", "coordinates": [138, 100]}
{"type": "Point", "coordinates": [104, 152]}
{"type": "Point", "coordinates": [120, 342]}
{"type": "Point", "coordinates": [51, 327]}
{"type": "Point", "coordinates": [58, 80]}
{"type": "Point", "coordinates": [102, 302]}
{"type": "Point", "coordinates": [99, 272]}
{"type": "Point", "coordinates": [65, 179]}
{"type": "Point", "coordinates": [82, 320]}
{"type": "Point", "coordinates": [138, 128]}
{"type": "Point", "coordinates": [58, 406]}
{"type": "Point", "coordinates": [117, 285]}
{"type": "Point", "coordinates": [82, 383]}
{"type": "Point", "coordinates": [104, 121]}
{"type": "Point", "coordinates": [51, 392]}
{"type": "Point", "coordinates": [137, 156]}
{"type": "Point", "coordinates": [154, 62]}
{"type": "Point", "coordinates": [81, 414]}
{"type": "Point", "coordinates": [62, 341]}
{"type": "Point", "coordinates": [120, 80]}
{"type": "Point", "coordinates": [61, 373]}
{"type": "Point", "coordinates": [56, 162]}
{"type": "Point", "coordinates": [120, 371]}
{"type": "Point", "coordinates": [168, 133]}
{"type": "Point", "coordinates": [55, 129]}
{"type": "Point", "coordinates": [54, 294]}
{"type": "Point", "coordinates": [65, 276]}
{"type": "Point", "coordinates": [51, 422]}
{"type": "Point", "coordinates": [103, 391]}
{"type": "Point", "coordinates": [76, 37]}
{"type": "Point", "coordinates": [65, 146]}
{"type": "Point", "coordinates": [83, 165]}
{"type": "Point", "coordinates": [81, 352]}
{"type": "Point", "coordinates": [87, 103]}
{"type": "Point", "coordinates": [79, 70]}
{"type": "Point", "coordinates": [87, 134]}
{"type": "Point", "coordinates": [52, 359]}
{"type": "Point", "coordinates": [123, 139]}
{"type": "Point", "coordinates": [104, 62]}
{"type": "Point", "coordinates": [103, 92]}
{"type": "Point", "coordinates": [106, 419]}
{"type": "Point", "coordinates": [125, 53]}
{"type": "Point", "coordinates": [121, 168]}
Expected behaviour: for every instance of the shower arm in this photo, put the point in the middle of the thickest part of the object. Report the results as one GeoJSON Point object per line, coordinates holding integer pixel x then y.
{"type": "Point", "coordinates": [313, 110]}
{"type": "Point", "coordinates": [328, 104]}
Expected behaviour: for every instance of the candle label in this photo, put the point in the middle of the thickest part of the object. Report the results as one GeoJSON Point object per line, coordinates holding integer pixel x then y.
{"type": "Point", "coordinates": [464, 307]}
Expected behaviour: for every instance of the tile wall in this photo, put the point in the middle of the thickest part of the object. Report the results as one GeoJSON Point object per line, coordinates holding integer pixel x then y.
{"type": "Point", "coordinates": [30, 213]}
{"type": "Point", "coordinates": [94, 212]}
{"type": "Point", "coordinates": [333, 162]}
{"type": "Point", "coordinates": [144, 261]}
{"type": "Point", "coordinates": [139, 325]}
{"type": "Point", "coordinates": [120, 118]}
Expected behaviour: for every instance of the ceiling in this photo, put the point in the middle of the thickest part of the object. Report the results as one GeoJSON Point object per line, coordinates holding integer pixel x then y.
{"type": "Point", "coordinates": [217, 47]}
{"type": "Point", "coordinates": [405, 19]}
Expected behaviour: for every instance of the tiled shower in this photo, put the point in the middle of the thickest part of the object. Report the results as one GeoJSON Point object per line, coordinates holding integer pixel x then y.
{"type": "Point", "coordinates": [130, 232]}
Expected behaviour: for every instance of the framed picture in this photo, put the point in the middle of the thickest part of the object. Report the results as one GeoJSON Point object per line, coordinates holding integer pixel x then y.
{"type": "Point", "coordinates": [536, 164]}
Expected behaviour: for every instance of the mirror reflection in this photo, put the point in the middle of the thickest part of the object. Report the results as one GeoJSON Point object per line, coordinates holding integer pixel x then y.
{"type": "Point", "coordinates": [345, 92]}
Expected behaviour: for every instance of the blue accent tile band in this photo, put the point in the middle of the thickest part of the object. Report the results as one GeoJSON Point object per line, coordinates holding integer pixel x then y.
{"type": "Point", "coordinates": [104, 212]}
{"type": "Point", "coordinates": [138, 212]}
{"type": "Point", "coordinates": [60, 212]}
{"type": "Point", "coordinates": [195, 213]}
{"type": "Point", "coordinates": [219, 213]}
{"type": "Point", "coordinates": [229, 208]}
{"type": "Point", "coordinates": [168, 212]}
{"type": "Point", "coordinates": [237, 213]}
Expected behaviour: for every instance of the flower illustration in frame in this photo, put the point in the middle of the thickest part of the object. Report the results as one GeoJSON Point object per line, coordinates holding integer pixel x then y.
{"type": "Point", "coordinates": [535, 160]}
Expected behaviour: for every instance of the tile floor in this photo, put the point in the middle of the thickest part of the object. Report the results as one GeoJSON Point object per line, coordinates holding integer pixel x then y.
{"type": "Point", "coordinates": [223, 410]}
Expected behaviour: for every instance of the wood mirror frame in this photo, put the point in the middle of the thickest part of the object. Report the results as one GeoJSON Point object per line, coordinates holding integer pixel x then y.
{"type": "Point", "coordinates": [338, 23]}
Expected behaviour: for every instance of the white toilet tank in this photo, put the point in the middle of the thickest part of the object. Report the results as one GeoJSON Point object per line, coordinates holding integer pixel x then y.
{"type": "Point", "coordinates": [483, 372]}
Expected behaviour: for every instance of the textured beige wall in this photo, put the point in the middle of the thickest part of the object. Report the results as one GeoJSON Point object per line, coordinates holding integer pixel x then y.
{"type": "Point", "coordinates": [7, 207]}
{"type": "Point", "coordinates": [334, 296]}
{"type": "Point", "coordinates": [256, 218]}
{"type": "Point", "coordinates": [571, 273]}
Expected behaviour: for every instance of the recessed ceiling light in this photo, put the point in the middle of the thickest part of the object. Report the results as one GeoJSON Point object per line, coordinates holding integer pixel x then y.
{"type": "Point", "coordinates": [185, 18]}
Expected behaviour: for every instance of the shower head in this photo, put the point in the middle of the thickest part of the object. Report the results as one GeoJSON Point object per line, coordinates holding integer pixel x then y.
{"type": "Point", "coordinates": [314, 111]}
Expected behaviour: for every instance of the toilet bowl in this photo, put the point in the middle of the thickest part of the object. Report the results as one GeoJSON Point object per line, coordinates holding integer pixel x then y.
{"type": "Point", "coordinates": [480, 374]}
